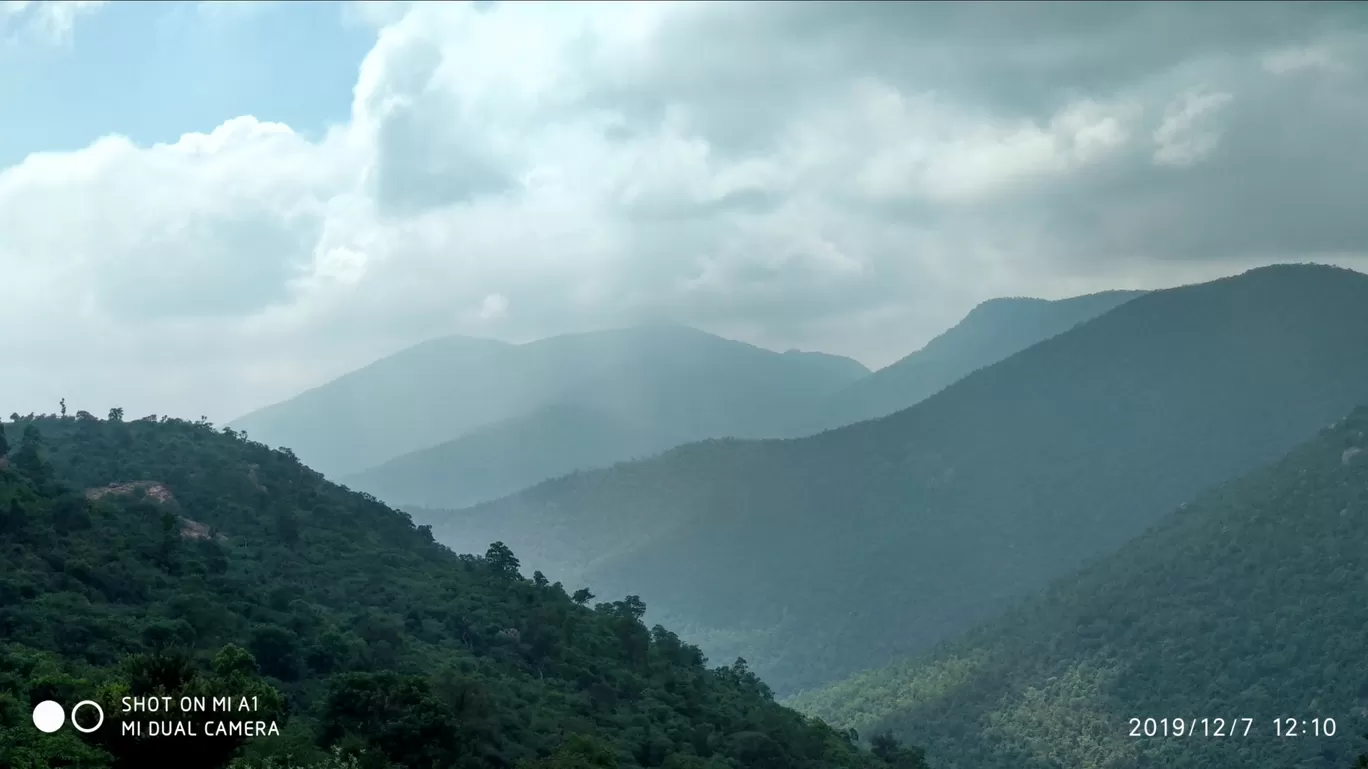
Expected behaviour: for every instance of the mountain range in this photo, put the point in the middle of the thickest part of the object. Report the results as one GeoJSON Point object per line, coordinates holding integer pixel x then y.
{"type": "Point", "coordinates": [819, 557]}
{"type": "Point", "coordinates": [651, 385]}
{"type": "Point", "coordinates": [614, 396]}
{"type": "Point", "coordinates": [1053, 550]}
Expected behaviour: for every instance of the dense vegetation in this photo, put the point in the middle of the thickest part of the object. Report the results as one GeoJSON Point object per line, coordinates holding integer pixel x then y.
{"type": "Point", "coordinates": [1247, 602]}
{"type": "Point", "coordinates": [820, 557]}
{"type": "Point", "coordinates": [992, 331]}
{"type": "Point", "coordinates": [667, 383]}
{"type": "Point", "coordinates": [165, 557]}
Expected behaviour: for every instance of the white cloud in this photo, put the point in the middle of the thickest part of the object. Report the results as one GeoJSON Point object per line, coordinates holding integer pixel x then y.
{"type": "Point", "coordinates": [926, 148]}
{"type": "Point", "coordinates": [45, 20]}
{"type": "Point", "coordinates": [493, 307]}
{"type": "Point", "coordinates": [1190, 130]}
{"type": "Point", "coordinates": [787, 173]}
{"type": "Point", "coordinates": [1297, 59]}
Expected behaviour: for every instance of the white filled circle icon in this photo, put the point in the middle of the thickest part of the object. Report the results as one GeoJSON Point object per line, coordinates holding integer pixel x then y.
{"type": "Point", "coordinates": [48, 716]}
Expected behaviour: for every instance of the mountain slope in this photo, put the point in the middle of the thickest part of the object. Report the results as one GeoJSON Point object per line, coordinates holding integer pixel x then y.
{"type": "Point", "coordinates": [818, 557]}
{"type": "Point", "coordinates": [839, 366]}
{"type": "Point", "coordinates": [1246, 603]}
{"type": "Point", "coordinates": [140, 558]}
{"type": "Point", "coordinates": [664, 379]}
{"type": "Point", "coordinates": [992, 331]}
{"type": "Point", "coordinates": [496, 460]}
{"type": "Point", "coordinates": [419, 396]}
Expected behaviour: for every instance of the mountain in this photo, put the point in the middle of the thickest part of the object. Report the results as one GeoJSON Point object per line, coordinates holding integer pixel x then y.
{"type": "Point", "coordinates": [512, 454]}
{"type": "Point", "coordinates": [1245, 603]}
{"type": "Point", "coordinates": [659, 379]}
{"type": "Point", "coordinates": [414, 398]}
{"type": "Point", "coordinates": [818, 557]}
{"type": "Point", "coordinates": [992, 331]}
{"type": "Point", "coordinates": [496, 460]}
{"type": "Point", "coordinates": [168, 559]}
{"type": "Point", "coordinates": [839, 366]}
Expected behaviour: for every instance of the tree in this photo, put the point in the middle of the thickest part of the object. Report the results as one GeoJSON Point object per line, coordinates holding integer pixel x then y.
{"type": "Point", "coordinates": [14, 518]}
{"type": "Point", "coordinates": [169, 543]}
{"type": "Point", "coordinates": [582, 596]}
{"type": "Point", "coordinates": [579, 752]}
{"type": "Point", "coordinates": [397, 716]}
{"type": "Point", "coordinates": [62, 403]}
{"type": "Point", "coordinates": [28, 458]}
{"type": "Point", "coordinates": [4, 444]}
{"type": "Point", "coordinates": [501, 558]}
{"type": "Point", "coordinates": [116, 414]}
{"type": "Point", "coordinates": [631, 606]}
{"type": "Point", "coordinates": [287, 526]}
{"type": "Point", "coordinates": [277, 650]}
{"type": "Point", "coordinates": [895, 754]}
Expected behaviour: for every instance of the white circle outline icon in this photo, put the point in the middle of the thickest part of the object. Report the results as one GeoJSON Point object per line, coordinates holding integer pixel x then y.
{"type": "Point", "coordinates": [48, 716]}
{"type": "Point", "coordinates": [92, 704]}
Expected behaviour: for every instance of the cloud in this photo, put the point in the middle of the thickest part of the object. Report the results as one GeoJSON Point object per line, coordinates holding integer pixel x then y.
{"type": "Point", "coordinates": [1187, 133]}
{"type": "Point", "coordinates": [493, 307]}
{"type": "Point", "coordinates": [844, 176]}
{"type": "Point", "coordinates": [46, 21]}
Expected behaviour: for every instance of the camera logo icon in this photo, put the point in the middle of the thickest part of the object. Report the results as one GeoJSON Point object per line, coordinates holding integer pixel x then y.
{"type": "Point", "coordinates": [48, 716]}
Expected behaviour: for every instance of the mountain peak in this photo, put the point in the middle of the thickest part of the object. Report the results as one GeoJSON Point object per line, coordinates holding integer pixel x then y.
{"type": "Point", "coordinates": [993, 331]}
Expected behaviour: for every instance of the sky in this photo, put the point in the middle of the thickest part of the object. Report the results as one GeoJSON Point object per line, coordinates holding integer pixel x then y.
{"type": "Point", "coordinates": [209, 207]}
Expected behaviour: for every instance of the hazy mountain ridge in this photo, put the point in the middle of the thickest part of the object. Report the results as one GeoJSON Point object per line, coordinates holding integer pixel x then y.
{"type": "Point", "coordinates": [387, 407]}
{"type": "Point", "coordinates": [955, 508]}
{"type": "Point", "coordinates": [993, 330]}
{"type": "Point", "coordinates": [499, 459]}
{"type": "Point", "coordinates": [488, 462]}
{"type": "Point", "coordinates": [666, 379]}
{"type": "Point", "coordinates": [1246, 602]}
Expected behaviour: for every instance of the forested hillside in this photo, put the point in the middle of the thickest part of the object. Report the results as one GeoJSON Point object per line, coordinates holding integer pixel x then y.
{"type": "Point", "coordinates": [1246, 603]}
{"type": "Point", "coordinates": [992, 331]}
{"type": "Point", "coordinates": [666, 382]}
{"type": "Point", "coordinates": [164, 557]}
{"type": "Point", "coordinates": [819, 557]}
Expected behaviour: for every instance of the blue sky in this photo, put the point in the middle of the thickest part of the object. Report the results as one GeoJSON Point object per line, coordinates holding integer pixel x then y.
{"type": "Point", "coordinates": [155, 70]}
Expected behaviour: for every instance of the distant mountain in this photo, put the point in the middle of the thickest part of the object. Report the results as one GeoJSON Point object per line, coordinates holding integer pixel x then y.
{"type": "Point", "coordinates": [512, 454]}
{"type": "Point", "coordinates": [660, 379]}
{"type": "Point", "coordinates": [992, 331]}
{"type": "Point", "coordinates": [419, 396]}
{"type": "Point", "coordinates": [1246, 603]}
{"type": "Point", "coordinates": [838, 366]}
{"type": "Point", "coordinates": [507, 456]}
{"type": "Point", "coordinates": [818, 557]}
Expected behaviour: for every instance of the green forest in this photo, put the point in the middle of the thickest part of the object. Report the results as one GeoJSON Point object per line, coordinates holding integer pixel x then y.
{"type": "Point", "coordinates": [1248, 602]}
{"type": "Point", "coordinates": [162, 557]}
